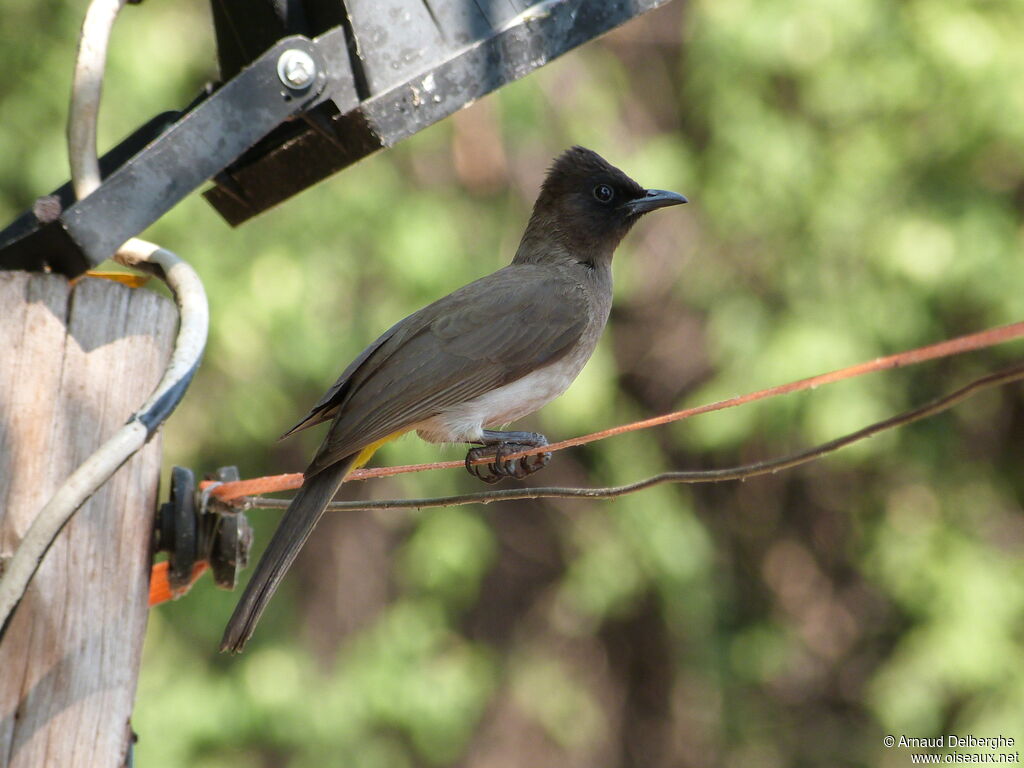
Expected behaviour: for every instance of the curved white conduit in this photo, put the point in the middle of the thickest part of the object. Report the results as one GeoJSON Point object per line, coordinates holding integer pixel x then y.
{"type": "Point", "coordinates": [192, 330]}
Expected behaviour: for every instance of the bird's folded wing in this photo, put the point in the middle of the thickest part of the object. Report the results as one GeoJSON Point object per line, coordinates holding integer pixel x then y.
{"type": "Point", "coordinates": [327, 406]}
{"type": "Point", "coordinates": [482, 336]}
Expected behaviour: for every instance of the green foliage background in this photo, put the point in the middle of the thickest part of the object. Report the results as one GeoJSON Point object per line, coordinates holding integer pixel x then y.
{"type": "Point", "coordinates": [857, 175]}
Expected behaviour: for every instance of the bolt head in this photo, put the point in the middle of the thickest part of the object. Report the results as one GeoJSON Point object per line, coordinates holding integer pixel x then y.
{"type": "Point", "coordinates": [296, 69]}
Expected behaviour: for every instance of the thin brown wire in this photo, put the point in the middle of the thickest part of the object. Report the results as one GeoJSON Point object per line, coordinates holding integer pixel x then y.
{"type": "Point", "coordinates": [741, 472]}
{"type": "Point", "coordinates": [960, 345]}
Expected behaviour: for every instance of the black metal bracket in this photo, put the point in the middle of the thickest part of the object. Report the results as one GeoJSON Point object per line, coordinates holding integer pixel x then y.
{"type": "Point", "coordinates": [441, 57]}
{"type": "Point", "coordinates": [364, 75]}
{"type": "Point", "coordinates": [177, 160]}
{"type": "Point", "coordinates": [191, 532]}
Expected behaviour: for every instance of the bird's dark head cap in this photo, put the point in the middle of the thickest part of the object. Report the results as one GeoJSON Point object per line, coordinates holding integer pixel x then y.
{"type": "Point", "coordinates": [587, 203]}
{"type": "Point", "coordinates": [578, 170]}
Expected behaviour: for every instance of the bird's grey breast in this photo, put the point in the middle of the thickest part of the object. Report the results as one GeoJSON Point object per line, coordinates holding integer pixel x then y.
{"type": "Point", "coordinates": [463, 422]}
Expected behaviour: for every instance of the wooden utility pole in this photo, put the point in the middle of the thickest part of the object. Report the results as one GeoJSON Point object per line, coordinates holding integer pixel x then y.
{"type": "Point", "coordinates": [75, 362]}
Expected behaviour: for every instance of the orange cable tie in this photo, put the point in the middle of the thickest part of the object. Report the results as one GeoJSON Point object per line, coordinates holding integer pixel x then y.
{"type": "Point", "coordinates": [160, 589]}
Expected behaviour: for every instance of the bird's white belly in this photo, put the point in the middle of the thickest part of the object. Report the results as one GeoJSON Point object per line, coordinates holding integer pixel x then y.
{"type": "Point", "coordinates": [464, 422]}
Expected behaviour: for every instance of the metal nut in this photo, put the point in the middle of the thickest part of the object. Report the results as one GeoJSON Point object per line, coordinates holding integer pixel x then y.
{"type": "Point", "coordinates": [296, 69]}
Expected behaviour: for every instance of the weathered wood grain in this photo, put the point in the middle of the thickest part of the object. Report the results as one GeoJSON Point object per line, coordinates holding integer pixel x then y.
{"type": "Point", "coordinates": [75, 362]}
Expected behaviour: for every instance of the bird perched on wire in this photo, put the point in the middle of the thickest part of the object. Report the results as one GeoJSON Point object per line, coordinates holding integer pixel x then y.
{"type": "Point", "coordinates": [485, 355]}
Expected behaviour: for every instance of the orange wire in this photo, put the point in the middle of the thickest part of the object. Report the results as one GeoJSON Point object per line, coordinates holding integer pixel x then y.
{"type": "Point", "coordinates": [959, 345]}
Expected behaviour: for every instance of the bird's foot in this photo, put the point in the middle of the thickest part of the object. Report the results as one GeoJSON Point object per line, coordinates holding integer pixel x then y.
{"type": "Point", "coordinates": [501, 445]}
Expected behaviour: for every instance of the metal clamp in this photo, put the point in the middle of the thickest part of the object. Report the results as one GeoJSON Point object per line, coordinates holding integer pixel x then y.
{"type": "Point", "coordinates": [193, 529]}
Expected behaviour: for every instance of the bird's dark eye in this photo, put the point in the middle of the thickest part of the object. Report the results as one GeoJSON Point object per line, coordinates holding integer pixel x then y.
{"type": "Point", "coordinates": [603, 193]}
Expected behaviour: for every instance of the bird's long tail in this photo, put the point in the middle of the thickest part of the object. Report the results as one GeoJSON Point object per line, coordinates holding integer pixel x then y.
{"type": "Point", "coordinates": [298, 522]}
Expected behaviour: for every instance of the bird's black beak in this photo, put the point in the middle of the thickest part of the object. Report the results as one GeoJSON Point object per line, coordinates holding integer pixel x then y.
{"type": "Point", "coordinates": [654, 199]}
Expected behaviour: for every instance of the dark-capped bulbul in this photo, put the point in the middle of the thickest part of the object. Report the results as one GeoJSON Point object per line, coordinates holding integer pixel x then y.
{"type": "Point", "coordinates": [483, 356]}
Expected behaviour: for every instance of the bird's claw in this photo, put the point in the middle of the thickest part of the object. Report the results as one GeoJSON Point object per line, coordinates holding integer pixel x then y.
{"type": "Point", "coordinates": [502, 466]}
{"type": "Point", "coordinates": [486, 472]}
